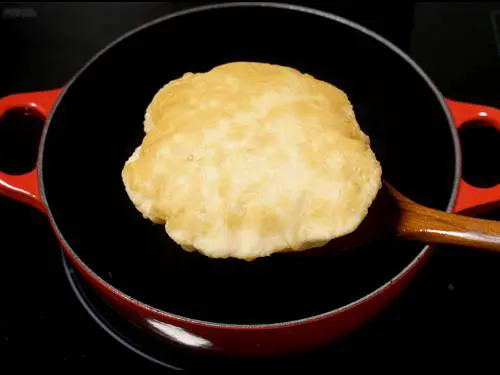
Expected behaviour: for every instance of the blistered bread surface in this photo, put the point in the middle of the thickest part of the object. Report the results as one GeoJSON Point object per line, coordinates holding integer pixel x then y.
{"type": "Point", "coordinates": [250, 159]}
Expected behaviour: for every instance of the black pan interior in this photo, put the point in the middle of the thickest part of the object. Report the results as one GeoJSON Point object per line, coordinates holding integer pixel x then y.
{"type": "Point", "coordinates": [99, 123]}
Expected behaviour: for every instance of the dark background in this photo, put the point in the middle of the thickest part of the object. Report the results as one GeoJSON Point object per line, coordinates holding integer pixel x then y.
{"type": "Point", "coordinates": [450, 314]}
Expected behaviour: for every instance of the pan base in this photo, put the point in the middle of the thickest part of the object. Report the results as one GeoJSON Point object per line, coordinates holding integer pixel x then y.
{"type": "Point", "coordinates": [162, 355]}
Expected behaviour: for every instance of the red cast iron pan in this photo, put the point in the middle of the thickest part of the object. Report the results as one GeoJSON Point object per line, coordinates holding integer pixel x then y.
{"type": "Point", "coordinates": [270, 306]}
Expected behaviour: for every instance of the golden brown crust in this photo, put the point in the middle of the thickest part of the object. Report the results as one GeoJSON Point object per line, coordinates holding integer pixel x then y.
{"type": "Point", "coordinates": [250, 159]}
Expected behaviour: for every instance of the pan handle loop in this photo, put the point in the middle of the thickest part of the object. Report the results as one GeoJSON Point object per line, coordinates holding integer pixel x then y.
{"type": "Point", "coordinates": [25, 188]}
{"type": "Point", "coordinates": [471, 198]}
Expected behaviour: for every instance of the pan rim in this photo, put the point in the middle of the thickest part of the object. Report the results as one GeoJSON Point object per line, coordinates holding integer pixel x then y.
{"type": "Point", "coordinates": [288, 323]}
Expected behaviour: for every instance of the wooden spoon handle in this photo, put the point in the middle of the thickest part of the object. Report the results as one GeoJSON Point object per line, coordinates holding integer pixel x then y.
{"type": "Point", "coordinates": [433, 226]}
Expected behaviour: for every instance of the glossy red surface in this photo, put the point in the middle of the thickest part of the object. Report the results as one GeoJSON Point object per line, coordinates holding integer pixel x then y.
{"type": "Point", "coordinates": [470, 198]}
{"type": "Point", "coordinates": [25, 188]}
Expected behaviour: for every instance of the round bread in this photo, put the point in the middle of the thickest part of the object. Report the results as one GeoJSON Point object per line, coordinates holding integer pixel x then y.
{"type": "Point", "coordinates": [249, 159]}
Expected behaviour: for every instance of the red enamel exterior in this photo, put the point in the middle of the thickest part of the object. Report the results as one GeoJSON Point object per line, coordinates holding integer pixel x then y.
{"type": "Point", "coordinates": [25, 188]}
{"type": "Point", "coordinates": [262, 340]}
{"type": "Point", "coordinates": [471, 198]}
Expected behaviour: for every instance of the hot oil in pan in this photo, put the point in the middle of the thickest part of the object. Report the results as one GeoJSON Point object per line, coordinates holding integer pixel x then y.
{"type": "Point", "coordinates": [267, 290]}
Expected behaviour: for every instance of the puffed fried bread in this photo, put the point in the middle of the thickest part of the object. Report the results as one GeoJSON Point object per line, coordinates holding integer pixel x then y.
{"type": "Point", "coordinates": [250, 159]}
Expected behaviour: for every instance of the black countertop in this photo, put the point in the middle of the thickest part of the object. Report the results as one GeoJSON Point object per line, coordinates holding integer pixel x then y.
{"type": "Point", "coordinates": [449, 313]}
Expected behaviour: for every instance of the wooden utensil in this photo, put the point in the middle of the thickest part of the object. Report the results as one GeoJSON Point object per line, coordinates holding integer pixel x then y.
{"type": "Point", "coordinates": [393, 214]}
